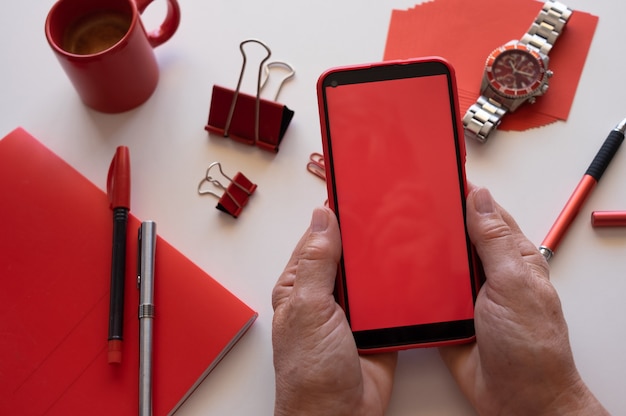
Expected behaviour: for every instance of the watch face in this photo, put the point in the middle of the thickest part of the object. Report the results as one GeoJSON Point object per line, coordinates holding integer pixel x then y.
{"type": "Point", "coordinates": [515, 71]}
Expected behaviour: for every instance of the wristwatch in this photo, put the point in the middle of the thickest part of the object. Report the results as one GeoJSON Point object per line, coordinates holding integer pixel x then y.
{"type": "Point", "coordinates": [516, 72]}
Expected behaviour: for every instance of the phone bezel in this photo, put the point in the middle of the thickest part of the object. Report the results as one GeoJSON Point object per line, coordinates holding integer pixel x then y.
{"type": "Point", "coordinates": [431, 334]}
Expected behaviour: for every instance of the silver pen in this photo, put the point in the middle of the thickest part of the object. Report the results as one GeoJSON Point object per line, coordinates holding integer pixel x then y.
{"type": "Point", "coordinates": [145, 283]}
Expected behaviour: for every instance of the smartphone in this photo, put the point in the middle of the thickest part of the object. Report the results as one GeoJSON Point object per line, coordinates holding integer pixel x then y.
{"type": "Point", "coordinates": [395, 168]}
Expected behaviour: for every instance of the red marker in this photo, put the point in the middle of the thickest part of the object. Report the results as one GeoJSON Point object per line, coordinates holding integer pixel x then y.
{"type": "Point", "coordinates": [608, 218]}
{"type": "Point", "coordinates": [582, 191]}
{"type": "Point", "coordinates": [118, 191]}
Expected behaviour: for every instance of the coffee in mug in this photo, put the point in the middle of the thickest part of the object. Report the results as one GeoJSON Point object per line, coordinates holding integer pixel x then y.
{"type": "Point", "coordinates": [96, 32]}
{"type": "Point", "coordinates": [105, 51]}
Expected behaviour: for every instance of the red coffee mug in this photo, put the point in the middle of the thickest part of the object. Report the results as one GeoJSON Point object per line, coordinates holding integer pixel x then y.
{"type": "Point", "coordinates": [105, 50]}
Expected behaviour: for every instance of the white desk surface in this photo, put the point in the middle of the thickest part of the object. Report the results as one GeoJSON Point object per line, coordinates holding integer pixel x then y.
{"type": "Point", "coordinates": [531, 173]}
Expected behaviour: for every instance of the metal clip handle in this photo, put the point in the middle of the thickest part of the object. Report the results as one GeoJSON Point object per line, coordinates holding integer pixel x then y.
{"type": "Point", "coordinates": [231, 112]}
{"type": "Point", "coordinates": [266, 73]}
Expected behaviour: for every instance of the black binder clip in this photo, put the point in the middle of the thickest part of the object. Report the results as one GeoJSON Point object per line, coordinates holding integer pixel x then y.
{"type": "Point", "coordinates": [251, 119]}
{"type": "Point", "coordinates": [234, 197]}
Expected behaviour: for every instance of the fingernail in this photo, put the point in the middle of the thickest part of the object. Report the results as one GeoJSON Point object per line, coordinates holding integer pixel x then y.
{"type": "Point", "coordinates": [483, 202]}
{"type": "Point", "coordinates": [319, 220]}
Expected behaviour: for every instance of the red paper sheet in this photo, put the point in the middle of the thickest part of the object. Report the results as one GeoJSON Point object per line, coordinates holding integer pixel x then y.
{"type": "Point", "coordinates": [464, 33]}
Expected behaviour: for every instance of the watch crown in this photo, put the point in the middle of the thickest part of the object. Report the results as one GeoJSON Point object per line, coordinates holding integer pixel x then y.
{"type": "Point", "coordinates": [549, 73]}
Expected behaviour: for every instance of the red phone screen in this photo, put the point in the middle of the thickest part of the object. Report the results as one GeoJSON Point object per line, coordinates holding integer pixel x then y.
{"type": "Point", "coordinates": [398, 190]}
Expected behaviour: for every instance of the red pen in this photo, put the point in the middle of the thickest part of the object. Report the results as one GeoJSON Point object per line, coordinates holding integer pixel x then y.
{"type": "Point", "coordinates": [582, 191]}
{"type": "Point", "coordinates": [608, 218]}
{"type": "Point", "coordinates": [118, 191]}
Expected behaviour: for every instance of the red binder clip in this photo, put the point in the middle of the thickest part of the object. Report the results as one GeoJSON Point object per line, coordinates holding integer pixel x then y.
{"type": "Point", "coordinates": [235, 195]}
{"type": "Point", "coordinates": [250, 119]}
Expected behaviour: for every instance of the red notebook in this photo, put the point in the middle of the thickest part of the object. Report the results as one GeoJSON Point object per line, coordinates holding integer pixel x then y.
{"type": "Point", "coordinates": [55, 265]}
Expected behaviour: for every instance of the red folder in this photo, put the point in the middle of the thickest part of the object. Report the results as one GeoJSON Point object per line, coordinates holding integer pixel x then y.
{"type": "Point", "coordinates": [55, 262]}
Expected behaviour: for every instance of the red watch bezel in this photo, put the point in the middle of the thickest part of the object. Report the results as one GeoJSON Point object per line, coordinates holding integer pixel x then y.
{"type": "Point", "coordinates": [514, 93]}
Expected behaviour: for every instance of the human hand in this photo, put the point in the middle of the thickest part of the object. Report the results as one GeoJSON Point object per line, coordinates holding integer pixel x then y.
{"type": "Point", "coordinates": [318, 369]}
{"type": "Point", "coordinates": [521, 363]}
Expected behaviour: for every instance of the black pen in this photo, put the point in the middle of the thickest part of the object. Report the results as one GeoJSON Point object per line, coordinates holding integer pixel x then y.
{"type": "Point", "coordinates": [582, 191]}
{"type": "Point", "coordinates": [146, 249]}
{"type": "Point", "coordinates": [118, 191]}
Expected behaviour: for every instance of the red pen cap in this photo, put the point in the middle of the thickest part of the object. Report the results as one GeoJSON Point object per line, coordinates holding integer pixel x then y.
{"type": "Point", "coordinates": [608, 218]}
{"type": "Point", "coordinates": [118, 179]}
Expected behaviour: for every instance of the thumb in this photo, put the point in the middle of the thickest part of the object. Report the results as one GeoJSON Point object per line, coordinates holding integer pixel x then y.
{"type": "Point", "coordinates": [317, 257]}
{"type": "Point", "coordinates": [494, 234]}
{"type": "Point", "coordinates": [507, 256]}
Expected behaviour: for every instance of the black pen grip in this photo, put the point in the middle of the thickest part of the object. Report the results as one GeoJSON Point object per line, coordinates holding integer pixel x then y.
{"type": "Point", "coordinates": [605, 154]}
{"type": "Point", "coordinates": [118, 272]}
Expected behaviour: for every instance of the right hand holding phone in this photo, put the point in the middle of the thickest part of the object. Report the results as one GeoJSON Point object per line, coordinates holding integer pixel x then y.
{"type": "Point", "coordinates": [522, 362]}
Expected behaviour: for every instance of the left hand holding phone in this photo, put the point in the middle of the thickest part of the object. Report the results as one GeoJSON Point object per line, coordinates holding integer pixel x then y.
{"type": "Point", "coordinates": [318, 369]}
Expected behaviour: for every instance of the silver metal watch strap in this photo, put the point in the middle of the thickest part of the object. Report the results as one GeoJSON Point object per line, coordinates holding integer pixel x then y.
{"type": "Point", "coordinates": [547, 27]}
{"type": "Point", "coordinates": [482, 118]}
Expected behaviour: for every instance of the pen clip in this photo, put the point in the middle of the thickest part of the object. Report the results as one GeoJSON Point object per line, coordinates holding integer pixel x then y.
{"type": "Point", "coordinates": [139, 250]}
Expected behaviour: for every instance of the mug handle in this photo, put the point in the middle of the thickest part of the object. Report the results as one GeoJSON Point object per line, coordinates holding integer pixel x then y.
{"type": "Point", "coordinates": [161, 34]}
